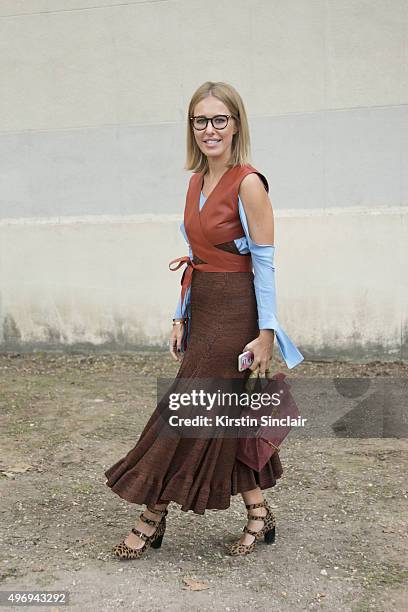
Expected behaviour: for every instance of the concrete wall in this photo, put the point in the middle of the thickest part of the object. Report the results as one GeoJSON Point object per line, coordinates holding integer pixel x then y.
{"type": "Point", "coordinates": [92, 141]}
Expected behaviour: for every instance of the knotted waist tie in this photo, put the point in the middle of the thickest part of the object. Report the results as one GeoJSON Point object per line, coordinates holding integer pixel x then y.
{"type": "Point", "coordinates": [187, 273]}
{"type": "Point", "coordinates": [243, 264]}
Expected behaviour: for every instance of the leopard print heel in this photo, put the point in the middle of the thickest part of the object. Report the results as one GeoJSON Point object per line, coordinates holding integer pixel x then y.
{"type": "Point", "coordinates": [123, 551]}
{"type": "Point", "coordinates": [267, 532]}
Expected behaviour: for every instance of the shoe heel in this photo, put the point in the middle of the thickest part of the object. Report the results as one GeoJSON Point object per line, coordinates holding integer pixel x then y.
{"type": "Point", "coordinates": [270, 536]}
{"type": "Point", "coordinates": [157, 543]}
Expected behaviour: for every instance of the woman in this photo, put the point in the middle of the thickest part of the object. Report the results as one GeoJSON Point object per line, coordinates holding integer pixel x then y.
{"type": "Point", "coordinates": [223, 310]}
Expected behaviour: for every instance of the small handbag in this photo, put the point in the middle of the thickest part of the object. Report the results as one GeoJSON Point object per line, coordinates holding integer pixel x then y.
{"type": "Point", "coordinates": [256, 450]}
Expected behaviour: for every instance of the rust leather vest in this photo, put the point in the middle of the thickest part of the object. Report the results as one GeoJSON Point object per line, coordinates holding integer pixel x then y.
{"type": "Point", "coordinates": [217, 222]}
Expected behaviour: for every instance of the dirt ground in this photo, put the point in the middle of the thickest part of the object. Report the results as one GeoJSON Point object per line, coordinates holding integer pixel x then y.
{"type": "Point", "coordinates": [341, 505]}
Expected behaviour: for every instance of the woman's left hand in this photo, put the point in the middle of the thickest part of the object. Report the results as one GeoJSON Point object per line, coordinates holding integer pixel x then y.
{"type": "Point", "coordinates": [262, 348]}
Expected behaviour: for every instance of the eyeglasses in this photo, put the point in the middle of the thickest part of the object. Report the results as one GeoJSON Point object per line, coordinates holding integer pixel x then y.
{"type": "Point", "coordinates": [219, 122]}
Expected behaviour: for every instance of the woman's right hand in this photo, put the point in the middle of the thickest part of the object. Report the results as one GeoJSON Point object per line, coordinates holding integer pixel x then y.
{"type": "Point", "coordinates": [176, 337]}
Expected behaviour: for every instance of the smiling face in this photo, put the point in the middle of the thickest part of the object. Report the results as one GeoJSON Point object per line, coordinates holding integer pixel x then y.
{"type": "Point", "coordinates": [213, 142]}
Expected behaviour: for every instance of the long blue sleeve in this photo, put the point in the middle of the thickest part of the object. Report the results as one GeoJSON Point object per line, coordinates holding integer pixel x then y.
{"type": "Point", "coordinates": [264, 282]}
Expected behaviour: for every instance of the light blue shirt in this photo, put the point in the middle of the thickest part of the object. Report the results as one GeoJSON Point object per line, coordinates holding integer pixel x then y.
{"type": "Point", "coordinates": [264, 283]}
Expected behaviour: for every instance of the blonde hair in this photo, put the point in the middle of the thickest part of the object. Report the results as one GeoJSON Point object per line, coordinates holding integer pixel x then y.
{"type": "Point", "coordinates": [240, 147]}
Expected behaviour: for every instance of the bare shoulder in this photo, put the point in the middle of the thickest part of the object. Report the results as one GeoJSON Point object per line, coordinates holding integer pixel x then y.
{"type": "Point", "coordinates": [252, 191]}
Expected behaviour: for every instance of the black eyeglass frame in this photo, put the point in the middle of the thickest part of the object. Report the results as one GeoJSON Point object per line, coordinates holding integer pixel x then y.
{"type": "Point", "coordinates": [228, 117]}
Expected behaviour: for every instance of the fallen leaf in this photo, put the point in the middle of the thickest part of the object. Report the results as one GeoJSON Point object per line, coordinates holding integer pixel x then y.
{"type": "Point", "coordinates": [18, 468]}
{"type": "Point", "coordinates": [195, 585]}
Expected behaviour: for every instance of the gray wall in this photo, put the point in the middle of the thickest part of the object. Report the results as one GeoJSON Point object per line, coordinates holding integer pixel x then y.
{"type": "Point", "coordinates": [92, 185]}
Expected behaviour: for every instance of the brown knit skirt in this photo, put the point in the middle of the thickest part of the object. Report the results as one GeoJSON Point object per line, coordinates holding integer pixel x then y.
{"type": "Point", "coordinates": [196, 473]}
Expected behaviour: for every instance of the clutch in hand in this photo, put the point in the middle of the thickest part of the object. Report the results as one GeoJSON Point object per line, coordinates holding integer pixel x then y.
{"type": "Point", "coordinates": [257, 447]}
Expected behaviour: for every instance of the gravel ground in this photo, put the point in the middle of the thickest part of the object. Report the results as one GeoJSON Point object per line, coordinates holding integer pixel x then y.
{"type": "Point", "coordinates": [341, 505]}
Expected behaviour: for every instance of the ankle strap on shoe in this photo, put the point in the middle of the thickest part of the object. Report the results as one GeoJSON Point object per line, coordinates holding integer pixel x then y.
{"type": "Point", "coordinates": [253, 506]}
{"type": "Point", "coordinates": [158, 512]}
{"type": "Point", "coordinates": [149, 521]}
{"type": "Point", "coordinates": [256, 517]}
{"type": "Point", "coordinates": [140, 534]}
{"type": "Point", "coordinates": [252, 533]}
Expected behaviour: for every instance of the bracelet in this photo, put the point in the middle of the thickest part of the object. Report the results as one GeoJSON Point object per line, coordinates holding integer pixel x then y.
{"type": "Point", "coordinates": [178, 322]}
